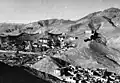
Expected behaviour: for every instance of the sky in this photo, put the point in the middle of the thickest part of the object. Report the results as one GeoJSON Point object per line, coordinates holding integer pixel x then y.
{"type": "Point", "coordinates": [26, 11]}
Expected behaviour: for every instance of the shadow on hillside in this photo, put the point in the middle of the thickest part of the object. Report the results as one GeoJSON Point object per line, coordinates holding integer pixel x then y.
{"type": "Point", "coordinates": [17, 75]}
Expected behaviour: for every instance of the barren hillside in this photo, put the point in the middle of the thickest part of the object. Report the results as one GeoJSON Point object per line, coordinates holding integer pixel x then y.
{"type": "Point", "coordinates": [75, 51]}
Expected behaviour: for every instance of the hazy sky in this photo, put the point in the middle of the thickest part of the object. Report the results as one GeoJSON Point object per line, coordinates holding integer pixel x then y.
{"type": "Point", "coordinates": [25, 11]}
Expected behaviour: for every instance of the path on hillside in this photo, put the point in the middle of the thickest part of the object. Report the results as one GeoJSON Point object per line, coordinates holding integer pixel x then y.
{"type": "Point", "coordinates": [21, 52]}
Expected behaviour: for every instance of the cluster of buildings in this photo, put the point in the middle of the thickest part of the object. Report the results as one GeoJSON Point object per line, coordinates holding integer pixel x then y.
{"type": "Point", "coordinates": [34, 42]}
{"type": "Point", "coordinates": [52, 41]}
{"type": "Point", "coordinates": [19, 59]}
{"type": "Point", "coordinates": [59, 42]}
{"type": "Point", "coordinates": [78, 74]}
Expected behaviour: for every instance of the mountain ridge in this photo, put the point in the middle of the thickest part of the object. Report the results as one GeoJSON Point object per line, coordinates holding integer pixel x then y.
{"type": "Point", "coordinates": [106, 22]}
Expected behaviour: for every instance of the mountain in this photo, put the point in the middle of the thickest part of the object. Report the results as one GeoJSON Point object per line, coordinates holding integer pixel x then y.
{"type": "Point", "coordinates": [86, 54]}
{"type": "Point", "coordinates": [109, 20]}
{"type": "Point", "coordinates": [93, 54]}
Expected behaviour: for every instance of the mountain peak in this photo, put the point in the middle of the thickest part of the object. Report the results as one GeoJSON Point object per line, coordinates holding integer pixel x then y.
{"type": "Point", "coordinates": [112, 9]}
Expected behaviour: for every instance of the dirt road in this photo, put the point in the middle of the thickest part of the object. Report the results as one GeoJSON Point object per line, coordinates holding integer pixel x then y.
{"type": "Point", "coordinates": [21, 52]}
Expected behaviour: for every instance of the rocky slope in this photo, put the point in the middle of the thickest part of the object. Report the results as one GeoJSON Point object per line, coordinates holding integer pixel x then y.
{"type": "Point", "coordinates": [95, 54]}
{"type": "Point", "coordinates": [86, 54]}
